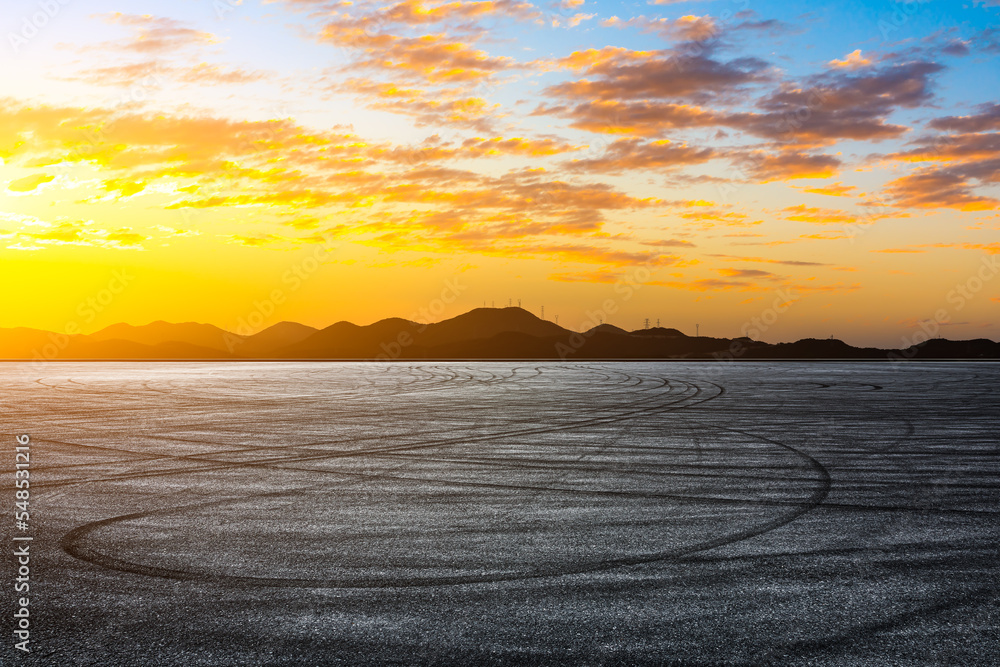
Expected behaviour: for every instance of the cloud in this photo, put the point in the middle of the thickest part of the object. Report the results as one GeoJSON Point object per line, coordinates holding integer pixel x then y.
{"type": "Point", "coordinates": [630, 118]}
{"type": "Point", "coordinates": [958, 164]}
{"type": "Point", "coordinates": [853, 60]}
{"type": "Point", "coordinates": [840, 105]}
{"type": "Point", "coordinates": [815, 215]}
{"type": "Point", "coordinates": [949, 187]}
{"type": "Point", "coordinates": [687, 28]}
{"type": "Point", "coordinates": [767, 260]}
{"type": "Point", "coordinates": [767, 167]}
{"type": "Point", "coordinates": [258, 241]}
{"type": "Point", "coordinates": [477, 148]}
{"type": "Point", "coordinates": [40, 234]}
{"type": "Point", "coordinates": [616, 73]}
{"type": "Point", "coordinates": [153, 74]}
{"type": "Point", "coordinates": [125, 237]}
{"type": "Point", "coordinates": [606, 277]}
{"type": "Point", "coordinates": [433, 59]}
{"type": "Point", "coordinates": [446, 56]}
{"type": "Point", "coordinates": [633, 154]}
{"type": "Point", "coordinates": [156, 35]}
{"type": "Point", "coordinates": [480, 147]}
{"type": "Point", "coordinates": [988, 119]}
{"type": "Point", "coordinates": [124, 187]}
{"type": "Point", "coordinates": [988, 248]}
{"type": "Point", "coordinates": [712, 285]}
{"type": "Point", "coordinates": [645, 93]}
{"type": "Point", "coordinates": [29, 183]}
{"type": "Point", "coordinates": [714, 217]}
{"type": "Point", "coordinates": [669, 243]}
{"type": "Point", "coordinates": [281, 166]}
{"type": "Point", "coordinates": [411, 13]}
{"type": "Point", "coordinates": [748, 273]}
{"type": "Point", "coordinates": [449, 107]}
{"type": "Point", "coordinates": [833, 190]}
{"type": "Point", "coordinates": [968, 149]}
{"type": "Point", "coordinates": [205, 73]}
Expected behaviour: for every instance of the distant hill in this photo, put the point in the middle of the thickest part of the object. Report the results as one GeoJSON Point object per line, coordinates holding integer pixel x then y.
{"type": "Point", "coordinates": [394, 338]}
{"type": "Point", "coordinates": [119, 349]}
{"type": "Point", "coordinates": [345, 340]}
{"type": "Point", "coordinates": [191, 333]}
{"type": "Point", "coordinates": [482, 333]}
{"type": "Point", "coordinates": [482, 323]}
{"type": "Point", "coordinates": [605, 329]}
{"type": "Point", "coordinates": [659, 332]}
{"type": "Point", "coordinates": [275, 338]}
{"type": "Point", "coordinates": [24, 343]}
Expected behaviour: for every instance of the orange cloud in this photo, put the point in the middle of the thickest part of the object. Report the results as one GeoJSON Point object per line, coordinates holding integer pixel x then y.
{"type": "Point", "coordinates": [152, 34]}
{"type": "Point", "coordinates": [815, 215]}
{"type": "Point", "coordinates": [712, 285]}
{"type": "Point", "coordinates": [710, 217]}
{"type": "Point", "coordinates": [786, 166]}
{"type": "Point", "coordinates": [852, 60]}
{"type": "Point", "coordinates": [282, 166]}
{"type": "Point", "coordinates": [480, 147]}
{"type": "Point", "coordinates": [432, 58]}
{"type": "Point", "coordinates": [961, 148]}
{"type": "Point", "coordinates": [988, 248]}
{"type": "Point", "coordinates": [940, 188]}
{"type": "Point", "coordinates": [450, 107]}
{"type": "Point", "coordinates": [832, 190]}
{"type": "Point", "coordinates": [152, 74]}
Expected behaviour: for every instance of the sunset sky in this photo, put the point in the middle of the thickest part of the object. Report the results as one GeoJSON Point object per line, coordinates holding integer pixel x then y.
{"type": "Point", "coordinates": [319, 161]}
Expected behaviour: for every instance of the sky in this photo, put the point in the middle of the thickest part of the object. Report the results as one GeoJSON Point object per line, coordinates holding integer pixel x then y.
{"type": "Point", "coordinates": [786, 170]}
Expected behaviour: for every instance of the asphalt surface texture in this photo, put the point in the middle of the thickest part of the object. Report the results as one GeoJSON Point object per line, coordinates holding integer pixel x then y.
{"type": "Point", "coordinates": [521, 513]}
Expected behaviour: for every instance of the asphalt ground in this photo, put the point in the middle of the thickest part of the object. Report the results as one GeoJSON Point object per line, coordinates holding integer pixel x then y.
{"type": "Point", "coordinates": [508, 513]}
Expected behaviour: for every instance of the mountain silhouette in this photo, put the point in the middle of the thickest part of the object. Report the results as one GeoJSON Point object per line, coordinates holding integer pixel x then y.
{"type": "Point", "coordinates": [659, 332]}
{"type": "Point", "coordinates": [198, 335]}
{"type": "Point", "coordinates": [345, 340]}
{"type": "Point", "coordinates": [605, 329]}
{"type": "Point", "coordinates": [481, 323]}
{"type": "Point", "coordinates": [277, 337]}
{"type": "Point", "coordinates": [482, 333]}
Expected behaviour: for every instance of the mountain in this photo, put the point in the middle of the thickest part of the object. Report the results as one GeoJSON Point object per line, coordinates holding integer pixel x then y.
{"type": "Point", "coordinates": [482, 333]}
{"type": "Point", "coordinates": [482, 323]}
{"type": "Point", "coordinates": [25, 343]}
{"type": "Point", "coordinates": [605, 329]}
{"type": "Point", "coordinates": [120, 349]}
{"type": "Point", "coordinates": [271, 340]}
{"type": "Point", "coordinates": [191, 333]}
{"type": "Point", "coordinates": [393, 338]}
{"type": "Point", "coordinates": [659, 332]}
{"type": "Point", "coordinates": [345, 340]}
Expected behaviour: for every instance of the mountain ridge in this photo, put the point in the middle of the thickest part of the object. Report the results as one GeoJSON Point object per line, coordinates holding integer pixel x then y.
{"type": "Point", "coordinates": [481, 333]}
